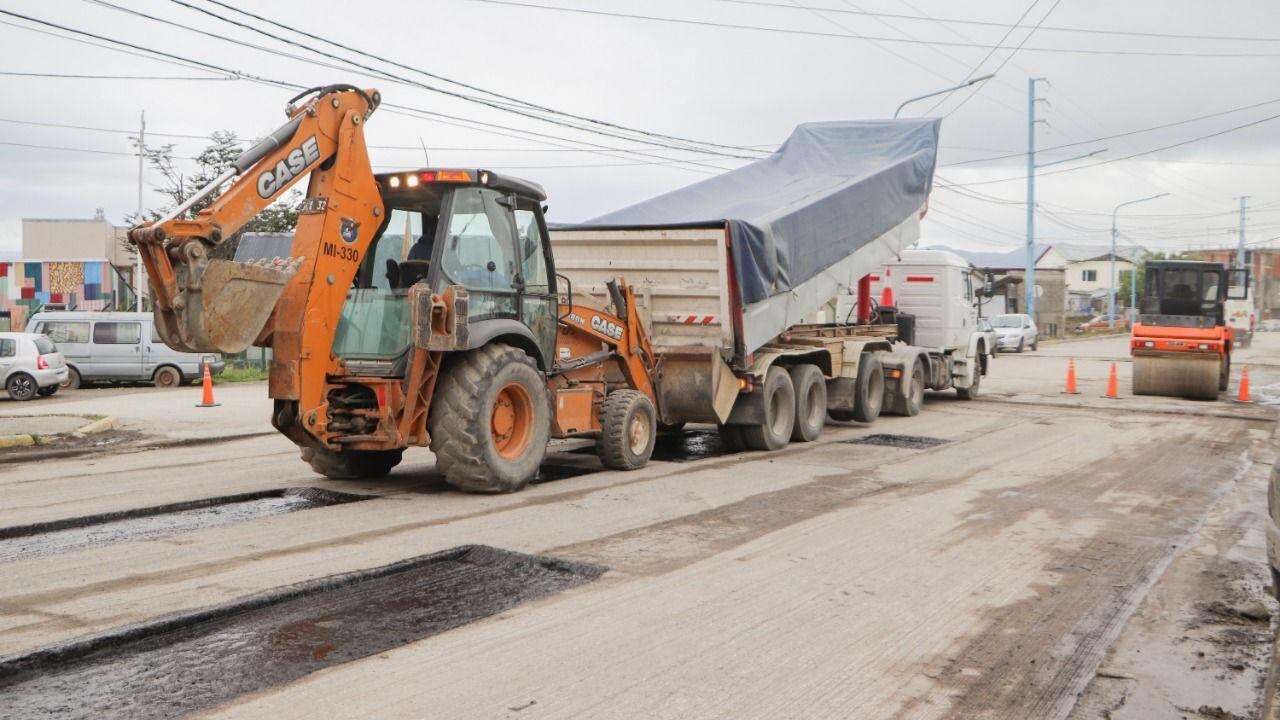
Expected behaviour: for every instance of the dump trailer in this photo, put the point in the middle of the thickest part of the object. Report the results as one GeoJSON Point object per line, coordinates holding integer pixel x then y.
{"type": "Point", "coordinates": [1181, 344]}
{"type": "Point", "coordinates": [728, 272]}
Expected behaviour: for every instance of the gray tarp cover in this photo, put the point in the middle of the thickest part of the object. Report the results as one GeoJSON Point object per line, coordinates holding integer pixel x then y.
{"type": "Point", "coordinates": [830, 189]}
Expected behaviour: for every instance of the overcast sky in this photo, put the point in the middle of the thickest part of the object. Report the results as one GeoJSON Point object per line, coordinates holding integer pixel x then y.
{"type": "Point", "coordinates": [837, 60]}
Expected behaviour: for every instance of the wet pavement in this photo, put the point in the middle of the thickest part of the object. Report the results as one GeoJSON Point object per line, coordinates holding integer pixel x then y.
{"type": "Point", "coordinates": [905, 442]}
{"type": "Point", "coordinates": [33, 541]}
{"type": "Point", "coordinates": [679, 446]}
{"type": "Point", "coordinates": [181, 666]}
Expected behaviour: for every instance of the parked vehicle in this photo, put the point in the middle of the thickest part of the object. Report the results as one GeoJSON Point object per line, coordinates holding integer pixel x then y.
{"type": "Point", "coordinates": [30, 365]}
{"type": "Point", "coordinates": [118, 346]}
{"type": "Point", "coordinates": [988, 335]}
{"type": "Point", "coordinates": [1103, 322]}
{"type": "Point", "coordinates": [1016, 332]}
{"type": "Point", "coordinates": [1242, 317]}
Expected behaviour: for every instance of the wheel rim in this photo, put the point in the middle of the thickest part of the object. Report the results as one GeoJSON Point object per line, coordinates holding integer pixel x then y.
{"type": "Point", "coordinates": [70, 381]}
{"type": "Point", "coordinates": [165, 378]}
{"type": "Point", "coordinates": [639, 432]}
{"type": "Point", "coordinates": [512, 420]}
{"type": "Point", "coordinates": [22, 386]}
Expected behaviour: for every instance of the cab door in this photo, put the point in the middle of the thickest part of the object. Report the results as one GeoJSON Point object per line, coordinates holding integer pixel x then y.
{"type": "Point", "coordinates": [538, 300]}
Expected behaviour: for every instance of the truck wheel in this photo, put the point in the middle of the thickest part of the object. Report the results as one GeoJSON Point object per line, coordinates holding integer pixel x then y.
{"type": "Point", "coordinates": [811, 402]}
{"type": "Point", "coordinates": [1224, 376]}
{"type": "Point", "coordinates": [627, 430]}
{"type": "Point", "coordinates": [915, 398]}
{"type": "Point", "coordinates": [779, 413]}
{"type": "Point", "coordinates": [21, 386]}
{"type": "Point", "coordinates": [970, 392]}
{"type": "Point", "coordinates": [351, 464]}
{"type": "Point", "coordinates": [167, 377]}
{"type": "Point", "coordinates": [868, 397]}
{"type": "Point", "coordinates": [490, 420]}
{"type": "Point", "coordinates": [731, 438]}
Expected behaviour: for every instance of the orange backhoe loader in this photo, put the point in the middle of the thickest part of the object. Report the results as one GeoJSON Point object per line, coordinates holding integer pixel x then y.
{"type": "Point", "coordinates": [417, 307]}
{"type": "Point", "coordinates": [1181, 344]}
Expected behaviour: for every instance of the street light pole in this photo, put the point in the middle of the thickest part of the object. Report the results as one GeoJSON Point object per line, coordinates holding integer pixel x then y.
{"type": "Point", "coordinates": [1111, 295]}
{"type": "Point", "coordinates": [961, 86]}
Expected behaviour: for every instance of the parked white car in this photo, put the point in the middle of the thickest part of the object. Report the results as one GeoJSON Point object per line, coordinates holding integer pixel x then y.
{"type": "Point", "coordinates": [989, 334]}
{"type": "Point", "coordinates": [1016, 332]}
{"type": "Point", "coordinates": [30, 365]}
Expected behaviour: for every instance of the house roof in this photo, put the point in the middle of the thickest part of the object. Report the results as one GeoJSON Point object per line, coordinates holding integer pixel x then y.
{"type": "Point", "coordinates": [1073, 253]}
{"type": "Point", "coordinates": [1011, 259]}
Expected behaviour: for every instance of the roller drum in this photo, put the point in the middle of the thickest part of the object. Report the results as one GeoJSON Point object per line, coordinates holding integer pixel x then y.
{"type": "Point", "coordinates": [1195, 378]}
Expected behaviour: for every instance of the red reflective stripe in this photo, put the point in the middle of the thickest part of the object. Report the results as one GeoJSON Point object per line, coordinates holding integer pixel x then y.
{"type": "Point", "coordinates": [707, 320]}
{"type": "Point", "coordinates": [688, 320]}
{"type": "Point", "coordinates": [919, 278]}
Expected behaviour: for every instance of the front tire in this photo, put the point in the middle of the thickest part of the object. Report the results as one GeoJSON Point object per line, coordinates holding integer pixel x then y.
{"type": "Point", "coordinates": [1021, 343]}
{"type": "Point", "coordinates": [490, 420]}
{"type": "Point", "coordinates": [167, 377]}
{"type": "Point", "coordinates": [779, 413]}
{"type": "Point", "coordinates": [811, 402]}
{"type": "Point", "coordinates": [971, 392]}
{"type": "Point", "coordinates": [21, 387]}
{"type": "Point", "coordinates": [628, 425]}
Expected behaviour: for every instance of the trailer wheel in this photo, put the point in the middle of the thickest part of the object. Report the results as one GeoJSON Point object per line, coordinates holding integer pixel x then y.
{"type": "Point", "coordinates": [490, 420]}
{"type": "Point", "coordinates": [868, 395]}
{"type": "Point", "coordinates": [351, 464]}
{"type": "Point", "coordinates": [970, 392]}
{"type": "Point", "coordinates": [1224, 375]}
{"type": "Point", "coordinates": [811, 402]}
{"type": "Point", "coordinates": [779, 413]}
{"type": "Point", "coordinates": [628, 424]}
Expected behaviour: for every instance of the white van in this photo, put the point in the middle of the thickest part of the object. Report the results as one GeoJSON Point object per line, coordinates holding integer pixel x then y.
{"type": "Point", "coordinates": [118, 346]}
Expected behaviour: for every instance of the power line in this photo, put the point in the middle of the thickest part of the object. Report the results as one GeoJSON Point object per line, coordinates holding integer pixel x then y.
{"type": "Point", "coordinates": [459, 83]}
{"type": "Point", "coordinates": [112, 77]}
{"type": "Point", "coordinates": [1008, 57]}
{"type": "Point", "coordinates": [1120, 135]}
{"type": "Point", "coordinates": [82, 150]}
{"type": "Point", "coordinates": [1051, 28]}
{"type": "Point", "coordinates": [912, 41]}
{"type": "Point", "coordinates": [1128, 157]}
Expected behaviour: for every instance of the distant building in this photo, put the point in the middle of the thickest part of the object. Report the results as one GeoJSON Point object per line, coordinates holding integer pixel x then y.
{"type": "Point", "coordinates": [80, 264]}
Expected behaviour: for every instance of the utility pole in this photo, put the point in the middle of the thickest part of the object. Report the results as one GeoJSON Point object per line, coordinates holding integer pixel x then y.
{"type": "Point", "coordinates": [1244, 199]}
{"type": "Point", "coordinates": [1029, 275]}
{"type": "Point", "coordinates": [139, 282]}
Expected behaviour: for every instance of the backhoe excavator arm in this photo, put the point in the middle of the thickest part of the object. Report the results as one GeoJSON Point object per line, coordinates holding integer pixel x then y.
{"type": "Point", "coordinates": [204, 305]}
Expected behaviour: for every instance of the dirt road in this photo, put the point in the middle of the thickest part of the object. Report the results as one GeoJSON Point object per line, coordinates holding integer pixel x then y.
{"type": "Point", "coordinates": [1050, 557]}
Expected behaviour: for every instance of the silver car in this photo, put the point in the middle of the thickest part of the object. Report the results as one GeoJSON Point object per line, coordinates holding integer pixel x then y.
{"type": "Point", "coordinates": [1016, 332]}
{"type": "Point", "coordinates": [30, 365]}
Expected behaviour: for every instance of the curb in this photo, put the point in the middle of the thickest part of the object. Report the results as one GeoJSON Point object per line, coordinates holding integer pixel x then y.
{"type": "Point", "coordinates": [28, 440]}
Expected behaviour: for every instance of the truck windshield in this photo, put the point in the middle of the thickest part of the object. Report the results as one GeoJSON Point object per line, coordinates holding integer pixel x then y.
{"type": "Point", "coordinates": [1008, 321]}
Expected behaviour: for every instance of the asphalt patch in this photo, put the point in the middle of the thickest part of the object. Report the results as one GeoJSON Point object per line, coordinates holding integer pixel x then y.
{"type": "Point", "coordinates": [906, 442]}
{"type": "Point", "coordinates": [185, 664]}
{"type": "Point", "coordinates": [680, 446]}
{"type": "Point", "coordinates": [40, 540]}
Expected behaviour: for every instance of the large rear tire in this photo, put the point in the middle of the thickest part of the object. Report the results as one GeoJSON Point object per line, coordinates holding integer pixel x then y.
{"type": "Point", "coordinates": [490, 420]}
{"type": "Point", "coordinates": [628, 424]}
{"type": "Point", "coordinates": [868, 395]}
{"type": "Point", "coordinates": [811, 402]}
{"type": "Point", "coordinates": [779, 413]}
{"type": "Point", "coordinates": [915, 392]}
{"type": "Point", "coordinates": [351, 464]}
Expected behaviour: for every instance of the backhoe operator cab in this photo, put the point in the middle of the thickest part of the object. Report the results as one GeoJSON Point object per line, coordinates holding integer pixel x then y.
{"type": "Point", "coordinates": [469, 228]}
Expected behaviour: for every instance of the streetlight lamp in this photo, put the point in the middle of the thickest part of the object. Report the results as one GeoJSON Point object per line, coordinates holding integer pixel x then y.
{"type": "Point", "coordinates": [961, 86]}
{"type": "Point", "coordinates": [1112, 294]}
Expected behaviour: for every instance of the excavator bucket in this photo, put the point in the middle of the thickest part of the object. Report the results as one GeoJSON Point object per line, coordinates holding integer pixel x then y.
{"type": "Point", "coordinates": [224, 304]}
{"type": "Point", "coordinates": [1195, 378]}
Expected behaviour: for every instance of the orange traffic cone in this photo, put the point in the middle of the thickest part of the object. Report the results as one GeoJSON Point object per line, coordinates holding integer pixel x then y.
{"type": "Point", "coordinates": [1071, 378]}
{"type": "Point", "coordinates": [886, 297]}
{"type": "Point", "coordinates": [1244, 386]}
{"type": "Point", "coordinates": [207, 400]}
{"type": "Point", "coordinates": [1113, 390]}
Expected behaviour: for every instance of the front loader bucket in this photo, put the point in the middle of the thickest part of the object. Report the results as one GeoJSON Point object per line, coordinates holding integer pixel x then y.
{"type": "Point", "coordinates": [225, 304]}
{"type": "Point", "coordinates": [1195, 378]}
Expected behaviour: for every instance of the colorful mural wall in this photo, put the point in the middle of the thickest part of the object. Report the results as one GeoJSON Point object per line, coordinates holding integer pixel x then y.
{"type": "Point", "coordinates": [82, 285]}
